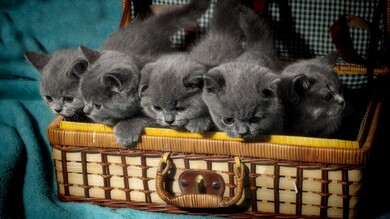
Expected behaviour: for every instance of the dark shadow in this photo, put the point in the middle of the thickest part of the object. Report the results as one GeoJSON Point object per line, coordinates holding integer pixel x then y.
{"type": "Point", "coordinates": [14, 207]}
{"type": "Point", "coordinates": [374, 185]}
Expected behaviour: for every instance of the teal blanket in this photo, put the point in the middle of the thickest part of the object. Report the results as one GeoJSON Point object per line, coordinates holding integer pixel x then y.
{"type": "Point", "coordinates": [27, 180]}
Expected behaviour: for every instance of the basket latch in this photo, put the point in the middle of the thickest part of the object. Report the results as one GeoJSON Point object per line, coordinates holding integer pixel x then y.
{"type": "Point", "coordinates": [200, 188]}
{"type": "Point", "coordinates": [201, 182]}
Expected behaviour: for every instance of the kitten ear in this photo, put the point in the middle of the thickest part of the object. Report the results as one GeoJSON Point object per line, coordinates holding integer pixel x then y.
{"type": "Point", "coordinates": [114, 82]}
{"type": "Point", "coordinates": [298, 86]}
{"type": "Point", "coordinates": [193, 82]}
{"type": "Point", "coordinates": [79, 67]}
{"type": "Point", "coordinates": [213, 81]}
{"type": "Point", "coordinates": [91, 54]}
{"type": "Point", "coordinates": [37, 59]}
{"type": "Point", "coordinates": [271, 90]}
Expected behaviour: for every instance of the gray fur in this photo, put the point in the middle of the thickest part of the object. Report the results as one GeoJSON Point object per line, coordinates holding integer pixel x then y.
{"type": "Point", "coordinates": [223, 40]}
{"type": "Point", "coordinates": [246, 93]}
{"type": "Point", "coordinates": [110, 87]}
{"type": "Point", "coordinates": [312, 92]}
{"type": "Point", "coordinates": [59, 82]}
{"type": "Point", "coordinates": [171, 93]}
{"type": "Point", "coordinates": [171, 87]}
{"type": "Point", "coordinates": [242, 95]}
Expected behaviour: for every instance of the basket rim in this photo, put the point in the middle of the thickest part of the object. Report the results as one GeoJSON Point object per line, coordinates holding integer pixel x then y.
{"type": "Point", "coordinates": [102, 140]}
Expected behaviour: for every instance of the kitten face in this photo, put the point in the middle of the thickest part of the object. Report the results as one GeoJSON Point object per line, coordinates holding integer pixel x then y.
{"type": "Point", "coordinates": [60, 79]}
{"type": "Point", "coordinates": [242, 99]}
{"type": "Point", "coordinates": [109, 87]}
{"type": "Point", "coordinates": [170, 90]}
{"type": "Point", "coordinates": [315, 94]}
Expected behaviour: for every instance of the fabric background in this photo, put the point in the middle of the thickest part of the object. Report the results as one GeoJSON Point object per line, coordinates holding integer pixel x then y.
{"type": "Point", "coordinates": [27, 180]}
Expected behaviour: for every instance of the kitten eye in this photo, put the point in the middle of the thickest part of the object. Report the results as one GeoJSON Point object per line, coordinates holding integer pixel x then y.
{"type": "Point", "coordinates": [254, 119]}
{"type": "Point", "coordinates": [49, 98]}
{"type": "Point", "coordinates": [157, 108]}
{"type": "Point", "coordinates": [68, 99]}
{"type": "Point", "coordinates": [228, 121]}
{"type": "Point", "coordinates": [181, 109]}
{"type": "Point", "coordinates": [327, 97]}
{"type": "Point", "coordinates": [97, 106]}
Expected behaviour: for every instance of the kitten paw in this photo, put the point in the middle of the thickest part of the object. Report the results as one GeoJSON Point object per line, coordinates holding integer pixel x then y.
{"type": "Point", "coordinates": [127, 136]}
{"type": "Point", "coordinates": [198, 125]}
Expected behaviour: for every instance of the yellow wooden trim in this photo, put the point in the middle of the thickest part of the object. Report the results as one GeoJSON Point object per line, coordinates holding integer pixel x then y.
{"type": "Point", "coordinates": [276, 139]}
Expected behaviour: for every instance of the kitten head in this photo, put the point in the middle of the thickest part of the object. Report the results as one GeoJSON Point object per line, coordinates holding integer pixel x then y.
{"type": "Point", "coordinates": [60, 77]}
{"type": "Point", "coordinates": [170, 90]}
{"type": "Point", "coordinates": [109, 87]}
{"type": "Point", "coordinates": [314, 92]}
{"type": "Point", "coordinates": [242, 99]}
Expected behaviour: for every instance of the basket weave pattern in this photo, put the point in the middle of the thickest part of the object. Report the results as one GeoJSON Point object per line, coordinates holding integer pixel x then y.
{"type": "Point", "coordinates": [123, 178]}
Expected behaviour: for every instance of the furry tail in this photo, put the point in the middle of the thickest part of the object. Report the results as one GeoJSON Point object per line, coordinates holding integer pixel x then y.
{"type": "Point", "coordinates": [257, 32]}
{"type": "Point", "coordinates": [184, 17]}
{"type": "Point", "coordinates": [226, 17]}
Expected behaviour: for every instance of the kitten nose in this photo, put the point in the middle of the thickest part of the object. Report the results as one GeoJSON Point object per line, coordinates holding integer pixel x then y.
{"type": "Point", "coordinates": [169, 122]}
{"type": "Point", "coordinates": [169, 118]}
{"type": "Point", "coordinates": [243, 131]}
{"type": "Point", "coordinates": [58, 110]}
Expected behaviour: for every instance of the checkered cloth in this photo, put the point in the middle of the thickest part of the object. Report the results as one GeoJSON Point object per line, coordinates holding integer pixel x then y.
{"type": "Point", "coordinates": [301, 28]}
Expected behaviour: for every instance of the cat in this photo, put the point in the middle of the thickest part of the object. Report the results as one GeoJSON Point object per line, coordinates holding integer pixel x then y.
{"type": "Point", "coordinates": [110, 86]}
{"type": "Point", "coordinates": [242, 95]}
{"type": "Point", "coordinates": [313, 95]}
{"type": "Point", "coordinates": [171, 87]}
{"type": "Point", "coordinates": [59, 81]}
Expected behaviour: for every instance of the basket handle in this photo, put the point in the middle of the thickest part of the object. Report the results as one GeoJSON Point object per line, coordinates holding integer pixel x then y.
{"type": "Point", "coordinates": [341, 37]}
{"type": "Point", "coordinates": [198, 200]}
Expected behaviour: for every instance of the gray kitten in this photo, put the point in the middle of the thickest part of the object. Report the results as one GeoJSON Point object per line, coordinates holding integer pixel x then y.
{"type": "Point", "coordinates": [110, 86]}
{"type": "Point", "coordinates": [312, 92]}
{"type": "Point", "coordinates": [59, 82]}
{"type": "Point", "coordinates": [242, 95]}
{"type": "Point", "coordinates": [170, 88]}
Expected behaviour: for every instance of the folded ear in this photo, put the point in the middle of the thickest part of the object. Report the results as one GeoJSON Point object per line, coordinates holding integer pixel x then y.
{"type": "Point", "coordinates": [298, 86]}
{"type": "Point", "coordinates": [91, 54]}
{"type": "Point", "coordinates": [37, 59]}
{"type": "Point", "coordinates": [80, 66]}
{"type": "Point", "coordinates": [272, 89]}
{"type": "Point", "coordinates": [118, 82]}
{"type": "Point", "coordinates": [194, 80]}
{"type": "Point", "coordinates": [213, 81]}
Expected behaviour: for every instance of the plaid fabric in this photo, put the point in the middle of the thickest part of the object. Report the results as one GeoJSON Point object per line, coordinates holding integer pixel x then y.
{"type": "Point", "coordinates": [301, 29]}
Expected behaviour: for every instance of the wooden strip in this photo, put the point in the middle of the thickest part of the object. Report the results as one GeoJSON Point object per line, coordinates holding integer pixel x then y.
{"type": "Point", "coordinates": [253, 186]}
{"type": "Point", "coordinates": [84, 171]}
{"type": "Point", "coordinates": [324, 193]}
{"type": "Point", "coordinates": [346, 196]}
{"type": "Point", "coordinates": [145, 178]}
{"type": "Point", "coordinates": [106, 176]}
{"type": "Point", "coordinates": [125, 177]}
{"type": "Point", "coordinates": [276, 188]}
{"type": "Point", "coordinates": [231, 179]}
{"type": "Point", "coordinates": [299, 186]}
{"type": "Point", "coordinates": [65, 173]}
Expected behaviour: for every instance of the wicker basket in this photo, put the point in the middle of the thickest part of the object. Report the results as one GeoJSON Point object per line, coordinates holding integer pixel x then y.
{"type": "Point", "coordinates": [212, 174]}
